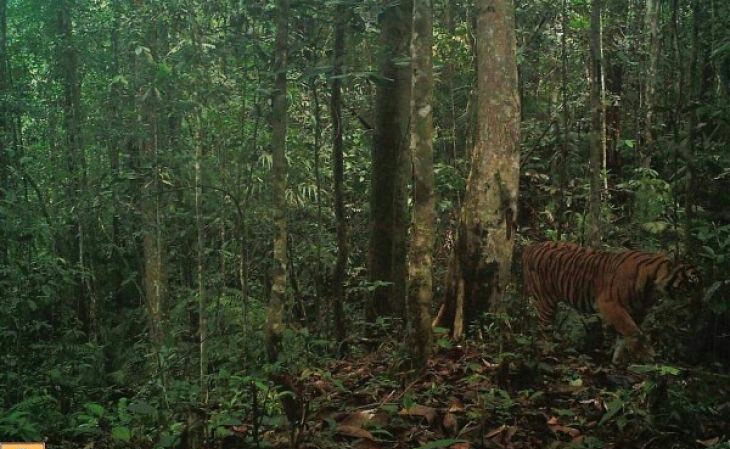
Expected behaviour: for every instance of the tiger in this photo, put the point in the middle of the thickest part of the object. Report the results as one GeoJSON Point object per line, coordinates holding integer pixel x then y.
{"type": "Point", "coordinates": [621, 286]}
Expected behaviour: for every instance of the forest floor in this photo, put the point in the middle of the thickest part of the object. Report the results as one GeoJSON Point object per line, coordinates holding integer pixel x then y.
{"type": "Point", "coordinates": [546, 398]}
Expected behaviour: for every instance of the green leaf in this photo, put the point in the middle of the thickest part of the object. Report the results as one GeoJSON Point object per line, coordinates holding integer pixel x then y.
{"type": "Point", "coordinates": [614, 407]}
{"type": "Point", "coordinates": [662, 370]}
{"type": "Point", "coordinates": [94, 408]}
{"type": "Point", "coordinates": [121, 433]}
{"type": "Point", "coordinates": [441, 443]}
{"type": "Point", "coordinates": [168, 440]}
{"type": "Point", "coordinates": [655, 227]}
{"type": "Point", "coordinates": [141, 408]}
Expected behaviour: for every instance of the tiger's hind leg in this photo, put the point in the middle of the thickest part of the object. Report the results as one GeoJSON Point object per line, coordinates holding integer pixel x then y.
{"type": "Point", "coordinates": [546, 308]}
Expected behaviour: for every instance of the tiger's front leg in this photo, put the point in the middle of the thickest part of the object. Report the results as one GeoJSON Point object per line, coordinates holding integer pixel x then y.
{"type": "Point", "coordinates": [630, 334]}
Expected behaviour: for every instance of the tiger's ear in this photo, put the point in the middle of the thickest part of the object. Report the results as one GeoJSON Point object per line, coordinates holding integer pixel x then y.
{"type": "Point", "coordinates": [674, 255]}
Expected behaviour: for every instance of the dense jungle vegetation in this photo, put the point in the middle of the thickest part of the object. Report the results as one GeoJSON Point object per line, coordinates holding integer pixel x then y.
{"type": "Point", "coordinates": [232, 223]}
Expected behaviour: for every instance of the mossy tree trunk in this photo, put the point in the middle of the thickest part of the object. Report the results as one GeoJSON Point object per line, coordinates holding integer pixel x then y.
{"type": "Point", "coordinates": [597, 136]}
{"type": "Point", "coordinates": [652, 50]}
{"type": "Point", "coordinates": [422, 232]}
{"type": "Point", "coordinates": [278, 298]}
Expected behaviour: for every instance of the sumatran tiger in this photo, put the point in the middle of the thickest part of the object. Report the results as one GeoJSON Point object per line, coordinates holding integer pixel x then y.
{"type": "Point", "coordinates": [621, 286]}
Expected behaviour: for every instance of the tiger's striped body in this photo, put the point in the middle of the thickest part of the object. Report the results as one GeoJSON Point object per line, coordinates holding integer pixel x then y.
{"type": "Point", "coordinates": [621, 286]}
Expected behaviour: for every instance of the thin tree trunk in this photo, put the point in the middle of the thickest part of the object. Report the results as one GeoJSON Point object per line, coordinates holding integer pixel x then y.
{"type": "Point", "coordinates": [480, 265]}
{"type": "Point", "coordinates": [5, 118]}
{"type": "Point", "coordinates": [116, 93]}
{"type": "Point", "coordinates": [76, 161]}
{"type": "Point", "coordinates": [150, 191]}
{"type": "Point", "coordinates": [279, 181]}
{"type": "Point", "coordinates": [449, 79]}
{"type": "Point", "coordinates": [695, 95]}
{"type": "Point", "coordinates": [387, 250]}
{"type": "Point", "coordinates": [278, 298]}
{"type": "Point", "coordinates": [652, 50]}
{"type": "Point", "coordinates": [319, 271]}
{"type": "Point", "coordinates": [338, 173]}
{"type": "Point", "coordinates": [597, 128]}
{"type": "Point", "coordinates": [202, 301]}
{"type": "Point", "coordinates": [424, 216]}
{"type": "Point", "coordinates": [564, 152]}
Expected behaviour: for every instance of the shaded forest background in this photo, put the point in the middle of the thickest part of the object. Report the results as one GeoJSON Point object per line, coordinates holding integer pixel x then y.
{"type": "Point", "coordinates": [136, 218]}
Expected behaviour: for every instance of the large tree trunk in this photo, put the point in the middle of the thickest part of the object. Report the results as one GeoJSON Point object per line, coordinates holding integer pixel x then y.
{"type": "Point", "coordinates": [480, 265]}
{"type": "Point", "coordinates": [338, 172]}
{"type": "Point", "coordinates": [652, 50]}
{"type": "Point", "coordinates": [421, 143]}
{"type": "Point", "coordinates": [597, 136]}
{"type": "Point", "coordinates": [387, 252]}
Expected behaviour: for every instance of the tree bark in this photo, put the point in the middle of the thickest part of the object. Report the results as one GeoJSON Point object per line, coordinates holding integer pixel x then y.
{"type": "Point", "coordinates": [597, 127]}
{"type": "Point", "coordinates": [75, 160]}
{"type": "Point", "coordinates": [565, 122]}
{"type": "Point", "coordinates": [338, 173]}
{"type": "Point", "coordinates": [5, 117]}
{"type": "Point", "coordinates": [278, 298]}
{"type": "Point", "coordinates": [387, 250]}
{"type": "Point", "coordinates": [652, 50]}
{"type": "Point", "coordinates": [150, 188]}
{"type": "Point", "coordinates": [421, 146]}
{"type": "Point", "coordinates": [695, 92]}
{"type": "Point", "coordinates": [319, 271]}
{"type": "Point", "coordinates": [480, 265]}
{"type": "Point", "coordinates": [200, 275]}
{"type": "Point", "coordinates": [274, 324]}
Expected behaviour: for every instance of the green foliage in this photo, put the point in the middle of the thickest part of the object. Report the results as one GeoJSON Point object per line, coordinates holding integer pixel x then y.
{"type": "Point", "coordinates": [159, 79]}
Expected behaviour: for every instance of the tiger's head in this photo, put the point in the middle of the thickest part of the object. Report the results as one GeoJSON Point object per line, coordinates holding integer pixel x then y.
{"type": "Point", "coordinates": [683, 281]}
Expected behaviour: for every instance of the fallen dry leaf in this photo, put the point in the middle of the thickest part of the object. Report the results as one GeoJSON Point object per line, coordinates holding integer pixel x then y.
{"type": "Point", "coordinates": [242, 429]}
{"type": "Point", "coordinates": [455, 405]}
{"type": "Point", "coordinates": [366, 444]}
{"type": "Point", "coordinates": [449, 422]}
{"type": "Point", "coordinates": [494, 432]}
{"type": "Point", "coordinates": [502, 434]}
{"type": "Point", "coordinates": [571, 431]}
{"type": "Point", "coordinates": [358, 419]}
{"type": "Point", "coordinates": [460, 446]}
{"type": "Point", "coordinates": [555, 426]}
{"type": "Point", "coordinates": [709, 442]}
{"type": "Point", "coordinates": [355, 432]}
{"type": "Point", "coordinates": [420, 410]}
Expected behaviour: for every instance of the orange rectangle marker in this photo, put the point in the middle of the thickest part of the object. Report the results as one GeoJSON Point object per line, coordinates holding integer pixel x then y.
{"type": "Point", "coordinates": [22, 445]}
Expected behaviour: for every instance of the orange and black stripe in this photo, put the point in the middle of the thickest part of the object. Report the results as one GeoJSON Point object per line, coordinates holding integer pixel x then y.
{"type": "Point", "coordinates": [560, 271]}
